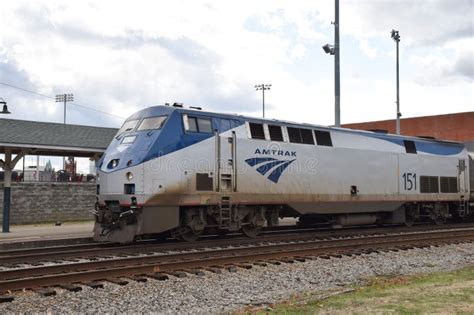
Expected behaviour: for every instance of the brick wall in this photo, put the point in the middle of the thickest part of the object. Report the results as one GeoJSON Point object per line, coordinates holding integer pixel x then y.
{"type": "Point", "coordinates": [457, 127]}
{"type": "Point", "coordinates": [48, 202]}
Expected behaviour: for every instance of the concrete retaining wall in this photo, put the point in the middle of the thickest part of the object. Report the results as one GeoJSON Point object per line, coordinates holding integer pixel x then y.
{"type": "Point", "coordinates": [47, 202]}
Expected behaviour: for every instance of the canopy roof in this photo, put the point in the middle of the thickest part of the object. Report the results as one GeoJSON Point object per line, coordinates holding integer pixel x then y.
{"type": "Point", "coordinates": [44, 138]}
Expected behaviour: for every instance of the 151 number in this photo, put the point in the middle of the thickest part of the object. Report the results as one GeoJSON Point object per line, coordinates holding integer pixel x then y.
{"type": "Point", "coordinates": [409, 181]}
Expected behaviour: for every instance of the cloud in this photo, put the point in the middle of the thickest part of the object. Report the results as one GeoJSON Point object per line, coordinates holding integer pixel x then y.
{"type": "Point", "coordinates": [119, 57]}
{"type": "Point", "coordinates": [464, 66]}
{"type": "Point", "coordinates": [419, 22]}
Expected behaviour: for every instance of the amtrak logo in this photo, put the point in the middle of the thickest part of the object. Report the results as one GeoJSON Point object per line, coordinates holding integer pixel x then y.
{"type": "Point", "coordinates": [270, 165]}
{"type": "Point", "coordinates": [275, 152]}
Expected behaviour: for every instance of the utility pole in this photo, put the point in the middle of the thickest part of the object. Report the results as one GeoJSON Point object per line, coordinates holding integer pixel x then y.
{"type": "Point", "coordinates": [337, 85]}
{"type": "Point", "coordinates": [263, 87]}
{"type": "Point", "coordinates": [334, 50]}
{"type": "Point", "coordinates": [64, 98]}
{"type": "Point", "coordinates": [396, 37]}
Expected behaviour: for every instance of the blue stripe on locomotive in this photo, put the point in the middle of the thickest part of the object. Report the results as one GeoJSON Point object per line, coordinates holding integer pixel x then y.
{"type": "Point", "coordinates": [173, 137]}
{"type": "Point", "coordinates": [170, 138]}
{"type": "Point", "coordinates": [431, 147]}
{"type": "Point", "coordinates": [149, 145]}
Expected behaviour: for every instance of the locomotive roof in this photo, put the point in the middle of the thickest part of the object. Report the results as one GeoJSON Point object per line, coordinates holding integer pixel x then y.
{"type": "Point", "coordinates": [166, 109]}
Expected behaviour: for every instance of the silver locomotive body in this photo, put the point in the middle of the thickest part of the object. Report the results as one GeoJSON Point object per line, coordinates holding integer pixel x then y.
{"type": "Point", "coordinates": [186, 171]}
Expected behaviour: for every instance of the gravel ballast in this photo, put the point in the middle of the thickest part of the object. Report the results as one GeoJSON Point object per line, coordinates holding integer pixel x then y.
{"type": "Point", "coordinates": [227, 292]}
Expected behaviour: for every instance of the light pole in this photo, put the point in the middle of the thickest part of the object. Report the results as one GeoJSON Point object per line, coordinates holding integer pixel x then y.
{"type": "Point", "coordinates": [396, 38]}
{"type": "Point", "coordinates": [334, 50]}
{"type": "Point", "coordinates": [64, 98]}
{"type": "Point", "coordinates": [263, 87]}
{"type": "Point", "coordinates": [7, 180]}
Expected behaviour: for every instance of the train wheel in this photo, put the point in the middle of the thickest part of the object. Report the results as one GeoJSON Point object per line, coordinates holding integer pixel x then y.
{"type": "Point", "coordinates": [411, 215]}
{"type": "Point", "coordinates": [185, 233]}
{"type": "Point", "coordinates": [409, 221]}
{"type": "Point", "coordinates": [190, 235]}
{"type": "Point", "coordinates": [251, 230]}
{"type": "Point", "coordinates": [439, 221]}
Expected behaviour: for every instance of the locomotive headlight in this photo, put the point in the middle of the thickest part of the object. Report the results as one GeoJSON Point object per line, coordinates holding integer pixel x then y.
{"type": "Point", "coordinates": [114, 163]}
{"type": "Point", "coordinates": [129, 176]}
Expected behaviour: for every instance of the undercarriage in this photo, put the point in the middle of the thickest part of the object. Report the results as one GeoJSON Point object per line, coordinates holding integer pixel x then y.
{"type": "Point", "coordinates": [125, 224]}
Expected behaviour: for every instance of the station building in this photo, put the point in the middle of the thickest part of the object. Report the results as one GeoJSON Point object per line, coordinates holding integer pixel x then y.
{"type": "Point", "coordinates": [455, 127]}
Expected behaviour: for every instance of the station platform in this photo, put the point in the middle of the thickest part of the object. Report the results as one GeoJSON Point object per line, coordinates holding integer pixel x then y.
{"type": "Point", "coordinates": [46, 232]}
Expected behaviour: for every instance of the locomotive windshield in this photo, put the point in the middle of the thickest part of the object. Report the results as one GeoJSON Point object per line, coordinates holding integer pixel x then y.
{"type": "Point", "coordinates": [128, 126]}
{"type": "Point", "coordinates": [152, 123]}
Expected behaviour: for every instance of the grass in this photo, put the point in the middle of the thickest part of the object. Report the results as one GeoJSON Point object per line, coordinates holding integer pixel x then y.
{"type": "Point", "coordinates": [436, 293]}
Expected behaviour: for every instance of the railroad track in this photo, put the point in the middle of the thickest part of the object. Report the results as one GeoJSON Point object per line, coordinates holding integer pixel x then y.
{"type": "Point", "coordinates": [42, 255]}
{"type": "Point", "coordinates": [160, 265]}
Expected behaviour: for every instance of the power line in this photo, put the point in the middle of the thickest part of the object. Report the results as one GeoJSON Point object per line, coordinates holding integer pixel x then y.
{"type": "Point", "coordinates": [25, 90]}
{"type": "Point", "coordinates": [50, 97]}
{"type": "Point", "coordinates": [99, 111]}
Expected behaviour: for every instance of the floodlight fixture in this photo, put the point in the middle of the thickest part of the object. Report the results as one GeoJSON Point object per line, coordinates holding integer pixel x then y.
{"type": "Point", "coordinates": [5, 107]}
{"type": "Point", "coordinates": [395, 35]}
{"type": "Point", "coordinates": [329, 49]}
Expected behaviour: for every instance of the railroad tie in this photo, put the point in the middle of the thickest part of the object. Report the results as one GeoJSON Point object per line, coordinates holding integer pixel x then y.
{"type": "Point", "coordinates": [231, 268]}
{"type": "Point", "coordinates": [118, 281]}
{"type": "Point", "coordinates": [6, 298]}
{"type": "Point", "coordinates": [94, 285]}
{"type": "Point", "coordinates": [197, 272]}
{"type": "Point", "coordinates": [139, 279]}
{"type": "Point", "coordinates": [158, 276]}
{"type": "Point", "coordinates": [178, 274]}
{"type": "Point", "coordinates": [274, 262]}
{"type": "Point", "coordinates": [214, 270]}
{"type": "Point", "coordinates": [46, 292]}
{"type": "Point", "coordinates": [71, 287]}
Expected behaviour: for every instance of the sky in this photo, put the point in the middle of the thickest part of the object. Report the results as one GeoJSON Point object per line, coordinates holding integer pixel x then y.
{"type": "Point", "coordinates": [118, 57]}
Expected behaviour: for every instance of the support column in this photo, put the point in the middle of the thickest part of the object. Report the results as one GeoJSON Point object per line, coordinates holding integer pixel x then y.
{"type": "Point", "coordinates": [8, 165]}
{"type": "Point", "coordinates": [7, 183]}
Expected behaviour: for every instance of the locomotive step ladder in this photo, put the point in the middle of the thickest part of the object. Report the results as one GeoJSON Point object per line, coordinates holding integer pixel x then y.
{"type": "Point", "coordinates": [463, 208]}
{"type": "Point", "coordinates": [226, 180]}
{"type": "Point", "coordinates": [225, 212]}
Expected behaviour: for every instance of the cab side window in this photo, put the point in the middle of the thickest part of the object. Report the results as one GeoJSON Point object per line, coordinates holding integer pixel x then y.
{"type": "Point", "coordinates": [197, 124]}
{"type": "Point", "coordinates": [193, 126]}
{"type": "Point", "coordinates": [204, 124]}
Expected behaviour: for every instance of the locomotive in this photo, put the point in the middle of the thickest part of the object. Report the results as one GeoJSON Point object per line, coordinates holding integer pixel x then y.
{"type": "Point", "coordinates": [184, 172]}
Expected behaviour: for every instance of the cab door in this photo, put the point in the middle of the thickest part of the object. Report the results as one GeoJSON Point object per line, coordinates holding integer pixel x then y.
{"type": "Point", "coordinates": [226, 145]}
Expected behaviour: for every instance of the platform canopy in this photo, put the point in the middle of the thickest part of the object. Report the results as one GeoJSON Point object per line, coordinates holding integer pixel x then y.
{"type": "Point", "coordinates": [20, 137]}
{"type": "Point", "coordinates": [53, 139]}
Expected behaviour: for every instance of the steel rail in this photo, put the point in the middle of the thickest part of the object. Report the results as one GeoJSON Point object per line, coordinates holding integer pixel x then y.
{"type": "Point", "coordinates": [130, 266]}
{"type": "Point", "coordinates": [26, 256]}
